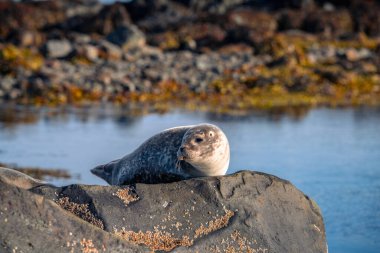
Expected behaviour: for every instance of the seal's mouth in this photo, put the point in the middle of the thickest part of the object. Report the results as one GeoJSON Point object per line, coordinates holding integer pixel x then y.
{"type": "Point", "coordinates": [181, 157]}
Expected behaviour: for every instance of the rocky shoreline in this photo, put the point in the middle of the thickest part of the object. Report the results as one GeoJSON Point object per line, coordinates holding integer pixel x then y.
{"type": "Point", "coordinates": [243, 212]}
{"type": "Point", "coordinates": [234, 55]}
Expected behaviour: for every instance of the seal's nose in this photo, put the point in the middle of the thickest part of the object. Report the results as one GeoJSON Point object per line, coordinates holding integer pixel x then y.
{"type": "Point", "coordinates": [180, 153]}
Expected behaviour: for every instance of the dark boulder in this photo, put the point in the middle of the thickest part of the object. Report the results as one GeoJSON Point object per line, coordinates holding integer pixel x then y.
{"type": "Point", "coordinates": [15, 16]}
{"type": "Point", "coordinates": [167, 17]}
{"type": "Point", "coordinates": [246, 211]}
{"type": "Point", "coordinates": [141, 9]}
{"type": "Point", "coordinates": [127, 37]}
{"type": "Point", "coordinates": [366, 16]}
{"type": "Point", "coordinates": [289, 19]}
{"type": "Point", "coordinates": [330, 23]}
{"type": "Point", "coordinates": [214, 7]}
{"type": "Point", "coordinates": [109, 51]}
{"type": "Point", "coordinates": [103, 22]}
{"type": "Point", "coordinates": [249, 25]}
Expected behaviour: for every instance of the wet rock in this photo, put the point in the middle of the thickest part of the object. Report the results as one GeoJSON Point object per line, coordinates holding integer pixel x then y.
{"type": "Point", "coordinates": [14, 94]}
{"type": "Point", "coordinates": [81, 8]}
{"type": "Point", "coordinates": [88, 51]}
{"type": "Point", "coordinates": [239, 48]}
{"type": "Point", "coordinates": [328, 7]}
{"type": "Point", "coordinates": [79, 38]}
{"type": "Point", "coordinates": [15, 16]}
{"type": "Point", "coordinates": [353, 54]}
{"type": "Point", "coordinates": [289, 19]}
{"type": "Point", "coordinates": [110, 51]}
{"type": "Point", "coordinates": [158, 16]}
{"type": "Point", "coordinates": [140, 9]}
{"type": "Point", "coordinates": [293, 4]}
{"type": "Point", "coordinates": [334, 75]}
{"type": "Point", "coordinates": [214, 7]}
{"type": "Point", "coordinates": [300, 83]}
{"type": "Point", "coordinates": [246, 211]}
{"type": "Point", "coordinates": [110, 18]}
{"type": "Point", "coordinates": [103, 21]}
{"type": "Point", "coordinates": [366, 17]}
{"type": "Point", "coordinates": [368, 68]}
{"type": "Point", "coordinates": [57, 48]}
{"type": "Point", "coordinates": [7, 83]}
{"type": "Point", "coordinates": [166, 40]}
{"type": "Point", "coordinates": [36, 84]}
{"type": "Point", "coordinates": [322, 54]}
{"type": "Point", "coordinates": [329, 23]}
{"type": "Point", "coordinates": [127, 37]}
{"type": "Point", "coordinates": [202, 35]}
{"type": "Point", "coordinates": [152, 74]}
{"type": "Point", "coordinates": [256, 20]}
{"type": "Point", "coordinates": [168, 18]}
{"type": "Point", "coordinates": [91, 52]}
{"type": "Point", "coordinates": [26, 38]}
{"type": "Point", "coordinates": [250, 26]}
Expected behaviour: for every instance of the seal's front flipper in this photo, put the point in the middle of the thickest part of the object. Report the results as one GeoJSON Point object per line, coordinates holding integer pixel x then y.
{"type": "Point", "coordinates": [105, 171]}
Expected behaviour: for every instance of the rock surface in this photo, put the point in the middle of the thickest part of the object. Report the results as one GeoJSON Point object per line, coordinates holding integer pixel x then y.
{"type": "Point", "coordinates": [58, 48]}
{"type": "Point", "coordinates": [127, 37]}
{"type": "Point", "coordinates": [243, 212]}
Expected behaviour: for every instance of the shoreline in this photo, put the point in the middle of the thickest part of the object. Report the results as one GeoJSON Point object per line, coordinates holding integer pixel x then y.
{"type": "Point", "coordinates": [249, 84]}
{"type": "Point", "coordinates": [222, 56]}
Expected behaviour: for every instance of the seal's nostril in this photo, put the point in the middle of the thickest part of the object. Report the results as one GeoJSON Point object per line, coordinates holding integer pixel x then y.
{"type": "Point", "coordinates": [198, 140]}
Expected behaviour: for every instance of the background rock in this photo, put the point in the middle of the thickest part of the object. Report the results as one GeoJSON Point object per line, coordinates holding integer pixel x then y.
{"type": "Point", "coordinates": [330, 23]}
{"type": "Point", "coordinates": [57, 48]}
{"type": "Point", "coordinates": [87, 36]}
{"type": "Point", "coordinates": [127, 37]}
{"type": "Point", "coordinates": [103, 21]}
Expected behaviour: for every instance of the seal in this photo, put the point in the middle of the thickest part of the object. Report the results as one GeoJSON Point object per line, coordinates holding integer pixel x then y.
{"type": "Point", "coordinates": [174, 154]}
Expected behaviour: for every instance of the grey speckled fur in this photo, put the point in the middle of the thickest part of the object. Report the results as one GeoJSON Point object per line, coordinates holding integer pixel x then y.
{"type": "Point", "coordinates": [155, 160]}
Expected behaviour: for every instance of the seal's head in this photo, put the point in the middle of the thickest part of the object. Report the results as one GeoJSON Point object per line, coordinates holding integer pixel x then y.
{"type": "Point", "coordinates": [206, 148]}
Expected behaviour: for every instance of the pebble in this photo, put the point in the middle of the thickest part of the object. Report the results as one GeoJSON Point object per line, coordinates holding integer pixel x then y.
{"type": "Point", "coordinates": [58, 48]}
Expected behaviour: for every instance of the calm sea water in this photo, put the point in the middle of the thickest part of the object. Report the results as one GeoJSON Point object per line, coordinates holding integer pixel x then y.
{"type": "Point", "coordinates": [332, 155]}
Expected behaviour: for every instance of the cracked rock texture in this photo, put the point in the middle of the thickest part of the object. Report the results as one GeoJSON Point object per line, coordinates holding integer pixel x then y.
{"type": "Point", "coordinates": [243, 212]}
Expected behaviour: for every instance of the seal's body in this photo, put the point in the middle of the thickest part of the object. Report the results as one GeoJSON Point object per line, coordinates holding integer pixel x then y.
{"type": "Point", "coordinates": [174, 154]}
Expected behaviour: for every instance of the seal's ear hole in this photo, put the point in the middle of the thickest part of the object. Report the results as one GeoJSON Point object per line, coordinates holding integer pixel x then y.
{"type": "Point", "coordinates": [211, 134]}
{"type": "Point", "coordinates": [198, 140]}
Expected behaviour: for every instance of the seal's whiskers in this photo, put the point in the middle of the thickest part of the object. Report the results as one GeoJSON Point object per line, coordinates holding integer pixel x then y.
{"type": "Point", "coordinates": [178, 164]}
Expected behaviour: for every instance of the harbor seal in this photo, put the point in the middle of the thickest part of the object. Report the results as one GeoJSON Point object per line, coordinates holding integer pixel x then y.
{"type": "Point", "coordinates": [174, 154]}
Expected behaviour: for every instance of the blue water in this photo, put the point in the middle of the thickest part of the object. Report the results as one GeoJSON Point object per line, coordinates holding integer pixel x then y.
{"type": "Point", "coordinates": [332, 155]}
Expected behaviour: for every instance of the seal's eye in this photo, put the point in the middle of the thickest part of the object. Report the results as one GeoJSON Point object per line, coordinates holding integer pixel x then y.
{"type": "Point", "coordinates": [198, 140]}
